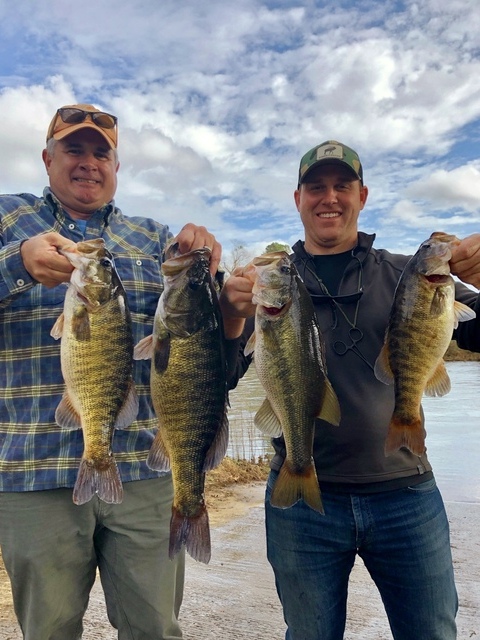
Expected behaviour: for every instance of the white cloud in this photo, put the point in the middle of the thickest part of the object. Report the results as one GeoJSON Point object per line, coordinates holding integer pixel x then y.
{"type": "Point", "coordinates": [458, 188]}
{"type": "Point", "coordinates": [217, 102]}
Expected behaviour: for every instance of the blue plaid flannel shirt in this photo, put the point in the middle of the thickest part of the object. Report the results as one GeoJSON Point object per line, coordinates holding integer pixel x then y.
{"type": "Point", "coordinates": [35, 453]}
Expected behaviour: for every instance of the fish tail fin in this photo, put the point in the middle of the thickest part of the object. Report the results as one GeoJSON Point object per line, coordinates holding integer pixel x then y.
{"type": "Point", "coordinates": [291, 486]}
{"type": "Point", "coordinates": [411, 436]}
{"type": "Point", "coordinates": [193, 532]}
{"type": "Point", "coordinates": [105, 482]}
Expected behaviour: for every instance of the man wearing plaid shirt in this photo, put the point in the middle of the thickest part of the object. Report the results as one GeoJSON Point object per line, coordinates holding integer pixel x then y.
{"type": "Point", "coordinates": [50, 546]}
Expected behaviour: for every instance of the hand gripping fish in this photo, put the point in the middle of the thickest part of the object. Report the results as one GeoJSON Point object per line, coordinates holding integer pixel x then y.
{"type": "Point", "coordinates": [189, 392]}
{"type": "Point", "coordinates": [97, 365]}
{"type": "Point", "coordinates": [422, 319]}
{"type": "Point", "coordinates": [290, 363]}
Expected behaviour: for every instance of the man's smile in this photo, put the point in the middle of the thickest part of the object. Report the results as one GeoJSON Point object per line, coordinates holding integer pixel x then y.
{"type": "Point", "coordinates": [86, 180]}
{"type": "Point", "coordinates": [328, 214]}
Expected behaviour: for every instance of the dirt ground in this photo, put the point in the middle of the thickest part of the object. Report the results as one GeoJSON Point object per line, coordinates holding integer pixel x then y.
{"type": "Point", "coordinates": [234, 596]}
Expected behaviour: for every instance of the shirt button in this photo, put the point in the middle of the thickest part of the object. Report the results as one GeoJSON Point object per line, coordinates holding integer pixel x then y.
{"type": "Point", "coordinates": [20, 282]}
{"type": "Point", "coordinates": [138, 263]}
{"type": "Point", "coordinates": [71, 226]}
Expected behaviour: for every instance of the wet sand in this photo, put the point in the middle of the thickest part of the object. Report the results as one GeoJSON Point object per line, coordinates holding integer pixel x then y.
{"type": "Point", "coordinates": [234, 598]}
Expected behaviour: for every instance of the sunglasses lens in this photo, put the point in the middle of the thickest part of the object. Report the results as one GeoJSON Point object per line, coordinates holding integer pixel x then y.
{"type": "Point", "coordinates": [75, 116]}
{"type": "Point", "coordinates": [72, 116]}
{"type": "Point", "coordinates": [104, 120]}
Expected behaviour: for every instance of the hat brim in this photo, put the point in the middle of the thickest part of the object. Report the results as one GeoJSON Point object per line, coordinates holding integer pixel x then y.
{"type": "Point", "coordinates": [330, 161]}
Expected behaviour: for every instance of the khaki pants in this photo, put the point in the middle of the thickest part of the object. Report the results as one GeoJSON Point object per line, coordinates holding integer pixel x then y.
{"type": "Point", "coordinates": [52, 548]}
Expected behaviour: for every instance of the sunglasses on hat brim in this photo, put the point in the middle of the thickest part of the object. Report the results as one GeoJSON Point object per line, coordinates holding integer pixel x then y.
{"type": "Point", "coordinates": [74, 115]}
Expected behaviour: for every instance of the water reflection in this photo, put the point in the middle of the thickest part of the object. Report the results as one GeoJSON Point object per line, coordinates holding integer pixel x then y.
{"type": "Point", "coordinates": [452, 423]}
{"type": "Point", "coordinates": [453, 434]}
{"type": "Point", "coordinates": [246, 441]}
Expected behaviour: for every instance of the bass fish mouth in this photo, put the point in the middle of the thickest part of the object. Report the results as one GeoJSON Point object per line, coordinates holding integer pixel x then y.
{"type": "Point", "coordinates": [437, 278]}
{"type": "Point", "coordinates": [274, 311]}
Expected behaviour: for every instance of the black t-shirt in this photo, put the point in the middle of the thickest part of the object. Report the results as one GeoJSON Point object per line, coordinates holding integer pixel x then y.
{"type": "Point", "coordinates": [329, 269]}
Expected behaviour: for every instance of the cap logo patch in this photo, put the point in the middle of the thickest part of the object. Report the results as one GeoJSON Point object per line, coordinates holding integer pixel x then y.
{"type": "Point", "coordinates": [330, 151]}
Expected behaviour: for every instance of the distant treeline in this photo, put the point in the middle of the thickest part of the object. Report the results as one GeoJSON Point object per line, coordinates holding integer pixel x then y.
{"type": "Point", "coordinates": [455, 353]}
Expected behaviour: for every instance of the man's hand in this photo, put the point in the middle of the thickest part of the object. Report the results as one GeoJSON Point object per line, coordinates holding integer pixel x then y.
{"type": "Point", "coordinates": [192, 237]}
{"type": "Point", "coordinates": [236, 302]}
{"type": "Point", "coordinates": [42, 260]}
{"type": "Point", "coordinates": [465, 261]}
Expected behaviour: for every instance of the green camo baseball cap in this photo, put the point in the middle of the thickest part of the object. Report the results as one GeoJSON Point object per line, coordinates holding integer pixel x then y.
{"type": "Point", "coordinates": [330, 152]}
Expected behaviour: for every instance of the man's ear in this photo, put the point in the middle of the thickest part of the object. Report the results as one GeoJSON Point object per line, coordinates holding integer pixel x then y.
{"type": "Point", "coordinates": [46, 159]}
{"type": "Point", "coordinates": [296, 196]}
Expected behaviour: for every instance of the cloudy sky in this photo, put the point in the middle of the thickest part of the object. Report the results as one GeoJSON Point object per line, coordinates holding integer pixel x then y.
{"type": "Point", "coordinates": [218, 100]}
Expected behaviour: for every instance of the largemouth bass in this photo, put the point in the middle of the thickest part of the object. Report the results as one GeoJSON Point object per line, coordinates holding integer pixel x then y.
{"type": "Point", "coordinates": [97, 365]}
{"type": "Point", "coordinates": [189, 393]}
{"type": "Point", "coordinates": [290, 362]}
{"type": "Point", "coordinates": [422, 319]}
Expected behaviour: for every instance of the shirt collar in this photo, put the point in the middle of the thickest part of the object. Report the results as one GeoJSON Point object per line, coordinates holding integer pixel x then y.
{"type": "Point", "coordinates": [104, 212]}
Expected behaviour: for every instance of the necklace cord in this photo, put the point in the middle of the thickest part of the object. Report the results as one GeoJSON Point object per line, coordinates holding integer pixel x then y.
{"type": "Point", "coordinates": [335, 307]}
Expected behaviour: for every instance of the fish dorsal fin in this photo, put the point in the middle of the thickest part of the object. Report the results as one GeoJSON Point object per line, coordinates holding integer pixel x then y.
{"type": "Point", "coordinates": [57, 329]}
{"type": "Point", "coordinates": [382, 369]}
{"type": "Point", "coordinates": [66, 415]}
{"type": "Point", "coordinates": [218, 448]}
{"type": "Point", "coordinates": [462, 313]}
{"type": "Point", "coordinates": [129, 410]}
{"type": "Point", "coordinates": [330, 409]}
{"type": "Point", "coordinates": [439, 383]}
{"type": "Point", "coordinates": [266, 420]}
{"type": "Point", "coordinates": [250, 346]}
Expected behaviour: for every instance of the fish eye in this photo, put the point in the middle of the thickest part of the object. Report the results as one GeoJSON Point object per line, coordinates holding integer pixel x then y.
{"type": "Point", "coordinates": [105, 262]}
{"type": "Point", "coordinates": [285, 269]}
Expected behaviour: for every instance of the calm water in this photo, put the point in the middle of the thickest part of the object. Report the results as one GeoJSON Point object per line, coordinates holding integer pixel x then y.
{"type": "Point", "coordinates": [453, 434]}
{"type": "Point", "coordinates": [452, 423]}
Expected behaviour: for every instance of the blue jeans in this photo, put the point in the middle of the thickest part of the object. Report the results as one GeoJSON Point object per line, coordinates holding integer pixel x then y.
{"type": "Point", "coordinates": [402, 537]}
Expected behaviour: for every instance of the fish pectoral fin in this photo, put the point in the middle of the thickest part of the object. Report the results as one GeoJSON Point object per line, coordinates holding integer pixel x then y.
{"type": "Point", "coordinates": [250, 346]}
{"type": "Point", "coordinates": [129, 410]}
{"type": "Point", "coordinates": [218, 448]}
{"type": "Point", "coordinates": [267, 421]}
{"type": "Point", "coordinates": [57, 329]}
{"type": "Point", "coordinates": [439, 382]}
{"type": "Point", "coordinates": [330, 409]}
{"type": "Point", "coordinates": [382, 369]}
{"type": "Point", "coordinates": [158, 457]}
{"type": "Point", "coordinates": [81, 324]}
{"type": "Point", "coordinates": [161, 355]}
{"type": "Point", "coordinates": [144, 349]}
{"type": "Point", "coordinates": [462, 313]}
{"type": "Point", "coordinates": [66, 415]}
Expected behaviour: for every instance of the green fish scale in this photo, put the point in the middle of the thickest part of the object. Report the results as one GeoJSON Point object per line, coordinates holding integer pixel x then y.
{"type": "Point", "coordinates": [416, 345]}
{"type": "Point", "coordinates": [99, 372]}
{"type": "Point", "coordinates": [191, 420]}
{"type": "Point", "coordinates": [297, 389]}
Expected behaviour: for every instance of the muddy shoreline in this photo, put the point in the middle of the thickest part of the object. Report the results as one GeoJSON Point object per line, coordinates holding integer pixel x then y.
{"type": "Point", "coordinates": [234, 596]}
